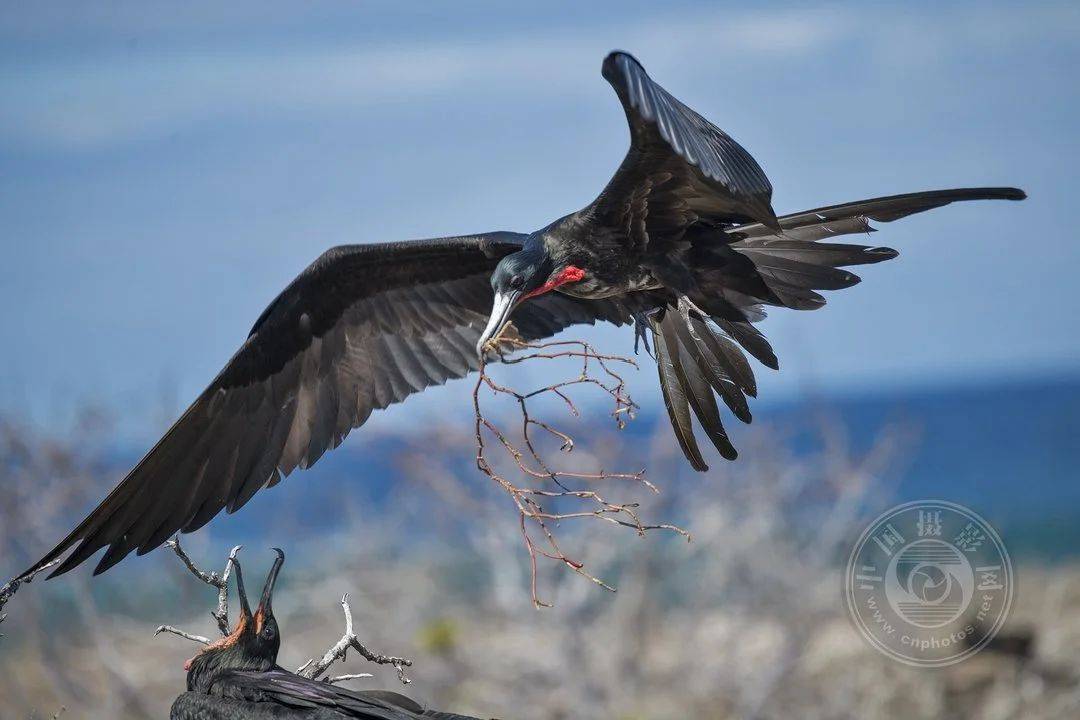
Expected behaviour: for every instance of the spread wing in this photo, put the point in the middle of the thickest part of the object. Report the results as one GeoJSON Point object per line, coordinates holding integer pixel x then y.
{"type": "Point", "coordinates": [287, 690]}
{"type": "Point", "coordinates": [680, 168]}
{"type": "Point", "coordinates": [363, 327]}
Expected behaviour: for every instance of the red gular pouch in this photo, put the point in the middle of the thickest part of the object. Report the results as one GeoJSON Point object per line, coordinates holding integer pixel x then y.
{"type": "Point", "coordinates": [569, 274]}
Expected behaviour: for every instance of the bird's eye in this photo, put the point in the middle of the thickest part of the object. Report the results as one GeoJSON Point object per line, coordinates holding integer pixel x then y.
{"type": "Point", "coordinates": [517, 282]}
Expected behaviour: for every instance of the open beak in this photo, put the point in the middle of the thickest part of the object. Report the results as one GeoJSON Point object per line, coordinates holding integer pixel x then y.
{"type": "Point", "coordinates": [245, 609]}
{"type": "Point", "coordinates": [268, 589]}
{"type": "Point", "coordinates": [500, 312]}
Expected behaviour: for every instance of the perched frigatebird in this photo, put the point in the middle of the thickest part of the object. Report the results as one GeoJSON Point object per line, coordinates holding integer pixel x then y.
{"type": "Point", "coordinates": [238, 678]}
{"type": "Point", "coordinates": [683, 242]}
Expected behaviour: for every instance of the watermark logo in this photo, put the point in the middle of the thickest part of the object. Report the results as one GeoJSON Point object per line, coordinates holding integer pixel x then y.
{"type": "Point", "coordinates": [929, 583]}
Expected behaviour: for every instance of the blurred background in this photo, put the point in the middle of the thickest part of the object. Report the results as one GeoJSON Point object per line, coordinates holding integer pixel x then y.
{"type": "Point", "coordinates": [167, 170]}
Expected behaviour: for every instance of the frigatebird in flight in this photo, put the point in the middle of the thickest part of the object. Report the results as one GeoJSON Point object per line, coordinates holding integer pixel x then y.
{"type": "Point", "coordinates": [683, 243]}
{"type": "Point", "coordinates": [238, 677]}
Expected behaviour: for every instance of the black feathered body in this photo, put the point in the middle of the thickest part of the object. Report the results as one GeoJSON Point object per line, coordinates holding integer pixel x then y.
{"type": "Point", "coordinates": [282, 695]}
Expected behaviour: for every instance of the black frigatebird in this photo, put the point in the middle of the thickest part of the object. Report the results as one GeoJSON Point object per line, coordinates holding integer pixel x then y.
{"type": "Point", "coordinates": [238, 678]}
{"type": "Point", "coordinates": [683, 242]}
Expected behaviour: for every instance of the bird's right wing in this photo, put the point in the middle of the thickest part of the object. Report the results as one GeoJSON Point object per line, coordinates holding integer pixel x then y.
{"type": "Point", "coordinates": [680, 170]}
{"type": "Point", "coordinates": [362, 328]}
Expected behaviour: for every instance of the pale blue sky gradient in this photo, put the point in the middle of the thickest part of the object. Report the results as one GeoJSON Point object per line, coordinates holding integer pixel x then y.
{"type": "Point", "coordinates": [168, 169]}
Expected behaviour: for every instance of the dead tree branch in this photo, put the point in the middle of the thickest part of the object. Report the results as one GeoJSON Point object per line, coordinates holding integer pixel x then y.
{"type": "Point", "coordinates": [350, 676]}
{"type": "Point", "coordinates": [213, 579]}
{"type": "Point", "coordinates": [181, 633]}
{"type": "Point", "coordinates": [313, 668]}
{"type": "Point", "coordinates": [536, 523]}
{"type": "Point", "coordinates": [8, 589]}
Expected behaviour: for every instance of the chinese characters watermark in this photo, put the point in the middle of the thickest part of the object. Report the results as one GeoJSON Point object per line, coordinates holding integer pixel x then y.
{"type": "Point", "coordinates": [929, 583]}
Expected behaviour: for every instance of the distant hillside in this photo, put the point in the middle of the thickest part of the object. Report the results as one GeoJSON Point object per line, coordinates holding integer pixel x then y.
{"type": "Point", "coordinates": [1010, 451]}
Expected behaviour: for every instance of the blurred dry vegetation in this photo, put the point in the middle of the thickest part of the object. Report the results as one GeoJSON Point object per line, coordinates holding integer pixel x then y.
{"type": "Point", "coordinates": [746, 621]}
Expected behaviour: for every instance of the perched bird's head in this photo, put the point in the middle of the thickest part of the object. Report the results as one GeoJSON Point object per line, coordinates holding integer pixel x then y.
{"type": "Point", "coordinates": [267, 639]}
{"type": "Point", "coordinates": [527, 273]}
{"type": "Point", "coordinates": [254, 642]}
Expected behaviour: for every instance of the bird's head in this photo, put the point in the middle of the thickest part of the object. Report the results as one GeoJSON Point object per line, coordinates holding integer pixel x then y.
{"type": "Point", "coordinates": [254, 642]}
{"type": "Point", "coordinates": [525, 274]}
{"type": "Point", "coordinates": [267, 639]}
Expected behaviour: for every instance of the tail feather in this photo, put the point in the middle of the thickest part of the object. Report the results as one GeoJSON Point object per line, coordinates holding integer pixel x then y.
{"type": "Point", "coordinates": [727, 353]}
{"type": "Point", "coordinates": [696, 389]}
{"type": "Point", "coordinates": [672, 388]}
{"type": "Point", "coordinates": [751, 340]}
{"type": "Point", "coordinates": [717, 375]}
{"type": "Point", "coordinates": [696, 363]}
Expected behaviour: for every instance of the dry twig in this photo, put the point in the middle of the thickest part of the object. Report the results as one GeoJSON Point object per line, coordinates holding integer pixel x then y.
{"type": "Point", "coordinates": [596, 371]}
{"type": "Point", "coordinates": [313, 668]}
{"type": "Point", "coordinates": [186, 635]}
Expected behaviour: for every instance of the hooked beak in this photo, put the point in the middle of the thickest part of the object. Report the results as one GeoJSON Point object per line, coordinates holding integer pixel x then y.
{"type": "Point", "coordinates": [245, 609]}
{"type": "Point", "coordinates": [500, 312]}
{"type": "Point", "coordinates": [268, 589]}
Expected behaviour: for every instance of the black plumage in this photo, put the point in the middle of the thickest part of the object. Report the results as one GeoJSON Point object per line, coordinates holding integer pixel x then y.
{"type": "Point", "coordinates": [683, 242]}
{"type": "Point", "coordinates": [238, 678]}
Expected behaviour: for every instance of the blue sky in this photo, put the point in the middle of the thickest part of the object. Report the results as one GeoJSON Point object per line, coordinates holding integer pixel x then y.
{"type": "Point", "coordinates": [166, 174]}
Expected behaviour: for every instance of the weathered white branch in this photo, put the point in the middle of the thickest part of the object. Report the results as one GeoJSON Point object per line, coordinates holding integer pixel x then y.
{"type": "Point", "coordinates": [213, 579]}
{"type": "Point", "coordinates": [181, 633]}
{"type": "Point", "coordinates": [313, 668]}
{"type": "Point", "coordinates": [8, 589]}
{"type": "Point", "coordinates": [343, 678]}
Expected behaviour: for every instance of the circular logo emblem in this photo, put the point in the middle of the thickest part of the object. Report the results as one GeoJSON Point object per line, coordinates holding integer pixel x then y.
{"type": "Point", "coordinates": [929, 583]}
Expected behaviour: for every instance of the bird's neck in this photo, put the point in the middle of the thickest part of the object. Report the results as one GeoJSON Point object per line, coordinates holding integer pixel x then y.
{"type": "Point", "coordinates": [204, 669]}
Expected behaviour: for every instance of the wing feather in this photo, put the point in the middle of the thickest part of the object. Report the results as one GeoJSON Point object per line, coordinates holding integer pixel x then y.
{"type": "Point", "coordinates": [660, 124]}
{"type": "Point", "coordinates": [362, 328]}
{"type": "Point", "coordinates": [283, 690]}
{"type": "Point", "coordinates": [853, 217]}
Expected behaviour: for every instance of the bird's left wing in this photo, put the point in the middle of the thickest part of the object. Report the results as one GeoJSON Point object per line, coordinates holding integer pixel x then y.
{"type": "Point", "coordinates": [363, 327]}
{"type": "Point", "coordinates": [680, 168]}
{"type": "Point", "coordinates": [283, 688]}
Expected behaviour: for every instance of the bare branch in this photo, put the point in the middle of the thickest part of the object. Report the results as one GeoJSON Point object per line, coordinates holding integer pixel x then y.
{"type": "Point", "coordinates": [530, 463]}
{"type": "Point", "coordinates": [343, 678]}
{"type": "Point", "coordinates": [181, 633]}
{"type": "Point", "coordinates": [213, 579]}
{"type": "Point", "coordinates": [8, 589]}
{"type": "Point", "coordinates": [313, 669]}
